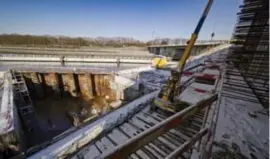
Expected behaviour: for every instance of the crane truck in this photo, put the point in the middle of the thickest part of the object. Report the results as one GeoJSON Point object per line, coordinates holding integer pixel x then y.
{"type": "Point", "coordinates": [167, 98]}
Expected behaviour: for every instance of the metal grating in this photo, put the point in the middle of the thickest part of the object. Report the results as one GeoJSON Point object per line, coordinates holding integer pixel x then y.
{"type": "Point", "coordinates": [251, 52]}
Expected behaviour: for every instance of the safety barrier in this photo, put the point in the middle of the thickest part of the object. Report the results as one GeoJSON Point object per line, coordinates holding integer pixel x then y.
{"type": "Point", "coordinates": [77, 58]}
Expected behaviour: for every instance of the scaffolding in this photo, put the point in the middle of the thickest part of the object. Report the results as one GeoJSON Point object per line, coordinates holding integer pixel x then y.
{"type": "Point", "coordinates": [250, 55]}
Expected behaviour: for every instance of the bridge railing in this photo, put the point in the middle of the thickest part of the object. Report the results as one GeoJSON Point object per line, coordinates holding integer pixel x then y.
{"type": "Point", "coordinates": [77, 56]}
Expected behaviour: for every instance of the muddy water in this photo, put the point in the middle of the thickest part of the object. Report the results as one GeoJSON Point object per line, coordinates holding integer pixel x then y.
{"type": "Point", "coordinates": [56, 115]}
{"type": "Point", "coordinates": [66, 100]}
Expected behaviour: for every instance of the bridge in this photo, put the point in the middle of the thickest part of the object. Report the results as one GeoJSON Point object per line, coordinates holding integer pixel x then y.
{"type": "Point", "coordinates": [62, 55]}
{"type": "Point", "coordinates": [175, 51]}
{"type": "Point", "coordinates": [83, 55]}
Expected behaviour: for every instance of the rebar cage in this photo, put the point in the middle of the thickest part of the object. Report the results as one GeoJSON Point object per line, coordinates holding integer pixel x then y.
{"type": "Point", "coordinates": [250, 55]}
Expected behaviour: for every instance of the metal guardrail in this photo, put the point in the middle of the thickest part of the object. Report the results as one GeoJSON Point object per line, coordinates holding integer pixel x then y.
{"type": "Point", "coordinates": [74, 58]}
{"type": "Point", "coordinates": [79, 56]}
{"type": "Point", "coordinates": [124, 150]}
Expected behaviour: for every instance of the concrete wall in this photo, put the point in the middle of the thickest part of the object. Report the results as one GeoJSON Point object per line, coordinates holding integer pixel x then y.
{"type": "Point", "coordinates": [11, 133]}
{"type": "Point", "coordinates": [78, 58]}
{"type": "Point", "coordinates": [175, 52]}
{"type": "Point", "coordinates": [127, 89]}
{"type": "Point", "coordinates": [85, 85]}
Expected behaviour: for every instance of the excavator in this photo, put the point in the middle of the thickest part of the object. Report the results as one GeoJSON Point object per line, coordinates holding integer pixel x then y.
{"type": "Point", "coordinates": [166, 99]}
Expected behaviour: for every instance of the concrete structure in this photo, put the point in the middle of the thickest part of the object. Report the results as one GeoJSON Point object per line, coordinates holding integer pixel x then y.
{"type": "Point", "coordinates": [175, 51]}
{"type": "Point", "coordinates": [76, 58]}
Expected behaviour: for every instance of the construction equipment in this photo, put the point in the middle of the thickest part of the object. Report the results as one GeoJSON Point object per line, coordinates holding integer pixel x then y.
{"type": "Point", "coordinates": [166, 98]}
{"type": "Point", "coordinates": [159, 61]}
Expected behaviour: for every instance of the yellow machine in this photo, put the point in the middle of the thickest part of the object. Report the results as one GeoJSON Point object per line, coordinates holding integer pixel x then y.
{"type": "Point", "coordinates": [159, 61]}
{"type": "Point", "coordinates": [165, 99]}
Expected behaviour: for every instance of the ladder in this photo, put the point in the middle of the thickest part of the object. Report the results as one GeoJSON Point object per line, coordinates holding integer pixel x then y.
{"type": "Point", "coordinates": [23, 101]}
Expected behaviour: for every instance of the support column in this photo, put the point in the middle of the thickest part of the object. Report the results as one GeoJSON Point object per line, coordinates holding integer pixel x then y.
{"type": "Point", "coordinates": [96, 77]}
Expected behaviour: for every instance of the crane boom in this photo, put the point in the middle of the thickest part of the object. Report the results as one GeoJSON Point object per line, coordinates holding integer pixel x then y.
{"type": "Point", "coordinates": [193, 37]}
{"type": "Point", "coordinates": [173, 86]}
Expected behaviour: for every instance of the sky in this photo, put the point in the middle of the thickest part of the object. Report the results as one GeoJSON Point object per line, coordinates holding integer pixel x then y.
{"type": "Point", "coordinates": [140, 19]}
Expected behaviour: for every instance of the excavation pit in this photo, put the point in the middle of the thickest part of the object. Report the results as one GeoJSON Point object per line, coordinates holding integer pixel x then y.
{"type": "Point", "coordinates": [50, 104]}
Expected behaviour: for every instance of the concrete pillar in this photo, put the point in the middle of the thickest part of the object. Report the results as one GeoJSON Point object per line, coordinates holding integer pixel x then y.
{"type": "Point", "coordinates": [97, 84]}
{"type": "Point", "coordinates": [85, 86]}
{"type": "Point", "coordinates": [103, 88]}
{"type": "Point", "coordinates": [69, 84]}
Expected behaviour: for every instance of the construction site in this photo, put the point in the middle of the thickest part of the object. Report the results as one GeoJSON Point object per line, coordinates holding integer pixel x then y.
{"type": "Point", "coordinates": [192, 101]}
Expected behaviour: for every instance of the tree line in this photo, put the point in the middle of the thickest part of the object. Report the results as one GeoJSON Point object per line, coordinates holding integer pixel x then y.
{"type": "Point", "coordinates": [62, 41]}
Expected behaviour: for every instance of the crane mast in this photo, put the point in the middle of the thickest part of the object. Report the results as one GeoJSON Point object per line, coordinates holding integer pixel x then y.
{"type": "Point", "coordinates": [172, 89]}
